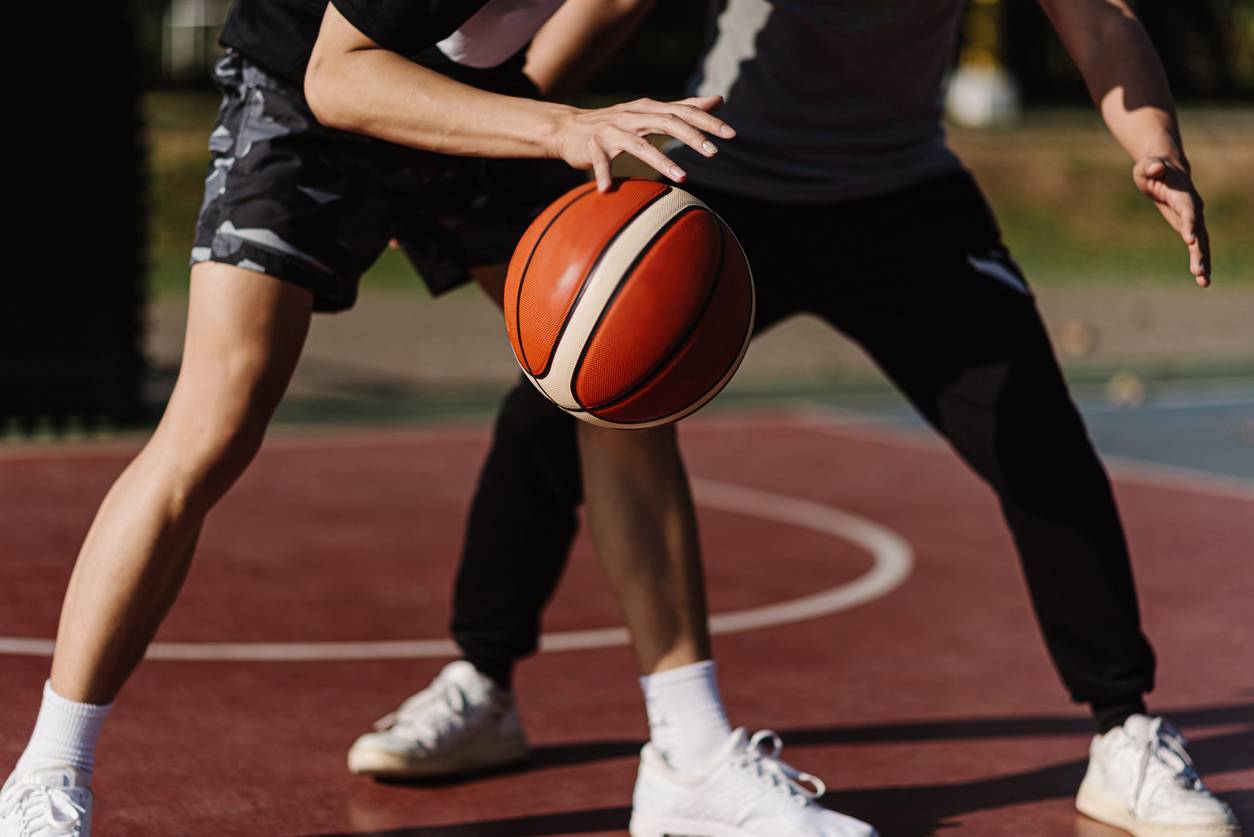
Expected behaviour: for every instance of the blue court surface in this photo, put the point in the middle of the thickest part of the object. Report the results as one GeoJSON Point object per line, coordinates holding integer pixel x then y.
{"type": "Point", "coordinates": [1202, 426]}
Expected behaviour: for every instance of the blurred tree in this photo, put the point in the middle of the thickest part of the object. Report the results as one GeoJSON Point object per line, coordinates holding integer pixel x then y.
{"type": "Point", "coordinates": [1206, 46]}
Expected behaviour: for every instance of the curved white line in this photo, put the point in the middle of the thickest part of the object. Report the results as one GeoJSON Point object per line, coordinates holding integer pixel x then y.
{"type": "Point", "coordinates": [893, 560]}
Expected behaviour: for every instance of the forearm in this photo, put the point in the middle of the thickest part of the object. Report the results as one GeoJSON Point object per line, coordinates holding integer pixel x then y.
{"type": "Point", "coordinates": [384, 95]}
{"type": "Point", "coordinates": [1127, 81]}
{"type": "Point", "coordinates": [1123, 74]}
{"type": "Point", "coordinates": [577, 40]}
{"type": "Point", "coordinates": [354, 84]}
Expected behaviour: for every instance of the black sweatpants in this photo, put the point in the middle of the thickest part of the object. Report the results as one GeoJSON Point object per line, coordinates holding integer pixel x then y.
{"type": "Point", "coordinates": [921, 279]}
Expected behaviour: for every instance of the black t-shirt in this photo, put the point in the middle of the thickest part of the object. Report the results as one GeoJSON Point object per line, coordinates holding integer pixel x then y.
{"type": "Point", "coordinates": [279, 35]}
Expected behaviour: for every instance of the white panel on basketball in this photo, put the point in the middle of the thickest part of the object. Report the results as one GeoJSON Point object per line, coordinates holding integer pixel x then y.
{"type": "Point", "coordinates": [558, 382]}
{"type": "Point", "coordinates": [717, 388]}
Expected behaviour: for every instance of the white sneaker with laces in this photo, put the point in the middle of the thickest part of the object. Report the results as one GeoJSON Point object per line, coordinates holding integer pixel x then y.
{"type": "Point", "coordinates": [460, 723]}
{"type": "Point", "coordinates": [49, 800]}
{"type": "Point", "coordinates": [1141, 779]}
{"type": "Point", "coordinates": [745, 792]}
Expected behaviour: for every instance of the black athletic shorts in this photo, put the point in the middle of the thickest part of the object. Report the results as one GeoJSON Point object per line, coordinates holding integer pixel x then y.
{"type": "Point", "coordinates": [290, 197]}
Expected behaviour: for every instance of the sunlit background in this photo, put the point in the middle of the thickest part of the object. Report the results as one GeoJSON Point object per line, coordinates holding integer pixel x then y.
{"type": "Point", "coordinates": [1133, 332]}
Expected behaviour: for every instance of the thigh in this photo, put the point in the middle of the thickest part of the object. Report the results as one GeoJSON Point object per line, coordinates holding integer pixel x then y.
{"type": "Point", "coordinates": [939, 304]}
{"type": "Point", "coordinates": [294, 199]}
{"type": "Point", "coordinates": [245, 332]}
{"type": "Point", "coordinates": [469, 220]}
{"type": "Point", "coordinates": [775, 239]}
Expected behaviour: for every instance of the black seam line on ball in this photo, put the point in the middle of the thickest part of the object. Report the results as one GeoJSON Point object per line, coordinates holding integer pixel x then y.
{"type": "Point", "coordinates": [723, 376]}
{"type": "Point", "coordinates": [570, 312]}
{"type": "Point", "coordinates": [522, 276]}
{"type": "Point", "coordinates": [683, 338]}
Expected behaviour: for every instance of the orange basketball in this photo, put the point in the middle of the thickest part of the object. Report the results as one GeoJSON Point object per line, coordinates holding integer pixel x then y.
{"type": "Point", "coordinates": [631, 308]}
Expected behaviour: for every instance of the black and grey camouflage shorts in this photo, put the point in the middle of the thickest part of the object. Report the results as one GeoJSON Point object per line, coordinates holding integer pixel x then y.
{"type": "Point", "coordinates": [315, 206]}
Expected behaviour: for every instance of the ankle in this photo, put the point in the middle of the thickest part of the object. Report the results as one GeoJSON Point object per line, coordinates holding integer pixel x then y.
{"type": "Point", "coordinates": [500, 673]}
{"type": "Point", "coordinates": [1109, 714]}
{"type": "Point", "coordinates": [687, 722]}
{"type": "Point", "coordinates": [66, 732]}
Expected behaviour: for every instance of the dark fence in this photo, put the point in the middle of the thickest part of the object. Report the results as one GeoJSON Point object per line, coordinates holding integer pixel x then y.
{"type": "Point", "coordinates": [71, 317]}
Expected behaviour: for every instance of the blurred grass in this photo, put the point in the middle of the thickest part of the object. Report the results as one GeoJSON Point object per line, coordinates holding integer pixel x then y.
{"type": "Point", "coordinates": [1061, 188]}
{"type": "Point", "coordinates": [1063, 192]}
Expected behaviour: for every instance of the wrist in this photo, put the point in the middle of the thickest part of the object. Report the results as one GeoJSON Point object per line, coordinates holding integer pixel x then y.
{"type": "Point", "coordinates": [554, 118]}
{"type": "Point", "coordinates": [1166, 149]}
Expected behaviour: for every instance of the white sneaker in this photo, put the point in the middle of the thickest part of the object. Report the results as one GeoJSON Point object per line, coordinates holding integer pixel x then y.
{"type": "Point", "coordinates": [460, 723]}
{"type": "Point", "coordinates": [1141, 779]}
{"type": "Point", "coordinates": [51, 800]}
{"type": "Point", "coordinates": [745, 792]}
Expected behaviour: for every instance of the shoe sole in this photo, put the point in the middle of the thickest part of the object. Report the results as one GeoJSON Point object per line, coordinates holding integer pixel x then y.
{"type": "Point", "coordinates": [647, 826]}
{"type": "Point", "coordinates": [675, 827]}
{"type": "Point", "coordinates": [386, 764]}
{"type": "Point", "coordinates": [1105, 808]}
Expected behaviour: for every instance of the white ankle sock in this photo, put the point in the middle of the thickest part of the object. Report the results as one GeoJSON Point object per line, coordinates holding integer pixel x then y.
{"type": "Point", "coordinates": [686, 718]}
{"type": "Point", "coordinates": [65, 733]}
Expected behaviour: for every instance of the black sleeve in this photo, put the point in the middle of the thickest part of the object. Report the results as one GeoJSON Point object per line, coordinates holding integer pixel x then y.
{"type": "Point", "coordinates": [407, 26]}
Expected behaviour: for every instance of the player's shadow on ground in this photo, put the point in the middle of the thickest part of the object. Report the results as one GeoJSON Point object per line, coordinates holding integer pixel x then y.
{"type": "Point", "coordinates": [899, 810]}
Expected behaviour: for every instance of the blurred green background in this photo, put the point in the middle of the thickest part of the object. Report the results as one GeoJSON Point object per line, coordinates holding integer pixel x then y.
{"type": "Point", "coordinates": [1060, 185]}
{"type": "Point", "coordinates": [1110, 276]}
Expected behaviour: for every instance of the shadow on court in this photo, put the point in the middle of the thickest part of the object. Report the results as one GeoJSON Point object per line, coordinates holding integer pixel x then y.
{"type": "Point", "coordinates": [910, 811]}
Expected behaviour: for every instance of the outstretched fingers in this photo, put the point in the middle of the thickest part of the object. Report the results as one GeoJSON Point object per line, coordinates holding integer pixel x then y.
{"type": "Point", "coordinates": [622, 141]}
{"type": "Point", "coordinates": [1172, 191]}
{"type": "Point", "coordinates": [695, 111]}
{"type": "Point", "coordinates": [671, 125]}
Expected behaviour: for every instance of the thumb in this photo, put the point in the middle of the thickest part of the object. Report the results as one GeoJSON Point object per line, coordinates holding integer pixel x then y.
{"type": "Point", "coordinates": [1149, 168]}
{"type": "Point", "coordinates": [1147, 173]}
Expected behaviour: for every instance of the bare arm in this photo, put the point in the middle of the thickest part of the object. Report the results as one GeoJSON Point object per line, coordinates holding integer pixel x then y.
{"type": "Point", "coordinates": [1126, 80]}
{"type": "Point", "coordinates": [576, 41]}
{"type": "Point", "coordinates": [354, 84]}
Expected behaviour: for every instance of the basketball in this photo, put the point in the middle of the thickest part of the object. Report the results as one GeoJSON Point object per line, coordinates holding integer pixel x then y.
{"type": "Point", "coordinates": [631, 308]}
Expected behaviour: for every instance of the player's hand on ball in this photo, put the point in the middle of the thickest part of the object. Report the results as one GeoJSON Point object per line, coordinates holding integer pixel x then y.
{"type": "Point", "coordinates": [590, 139]}
{"type": "Point", "coordinates": [1169, 186]}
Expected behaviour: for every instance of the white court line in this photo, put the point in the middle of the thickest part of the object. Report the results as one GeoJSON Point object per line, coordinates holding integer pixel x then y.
{"type": "Point", "coordinates": [346, 438]}
{"type": "Point", "coordinates": [892, 561]}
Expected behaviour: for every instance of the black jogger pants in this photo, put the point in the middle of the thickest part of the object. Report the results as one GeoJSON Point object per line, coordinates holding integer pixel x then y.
{"type": "Point", "coordinates": [922, 281]}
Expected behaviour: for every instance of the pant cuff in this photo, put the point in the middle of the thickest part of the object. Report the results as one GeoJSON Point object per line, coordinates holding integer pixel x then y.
{"type": "Point", "coordinates": [1111, 714]}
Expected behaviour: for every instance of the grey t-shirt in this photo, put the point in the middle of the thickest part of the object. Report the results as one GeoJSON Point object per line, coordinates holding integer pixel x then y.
{"type": "Point", "coordinates": [831, 99]}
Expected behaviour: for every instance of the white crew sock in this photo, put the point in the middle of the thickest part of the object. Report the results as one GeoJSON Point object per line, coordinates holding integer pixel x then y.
{"type": "Point", "coordinates": [686, 718]}
{"type": "Point", "coordinates": [65, 733]}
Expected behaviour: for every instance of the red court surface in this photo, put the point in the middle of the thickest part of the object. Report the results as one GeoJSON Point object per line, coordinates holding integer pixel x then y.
{"type": "Point", "coordinates": [931, 707]}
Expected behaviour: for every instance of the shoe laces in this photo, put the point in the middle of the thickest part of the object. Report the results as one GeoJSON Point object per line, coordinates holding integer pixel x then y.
{"type": "Point", "coordinates": [1164, 744]}
{"type": "Point", "coordinates": [431, 714]}
{"type": "Point", "coordinates": [43, 811]}
{"type": "Point", "coordinates": [760, 759]}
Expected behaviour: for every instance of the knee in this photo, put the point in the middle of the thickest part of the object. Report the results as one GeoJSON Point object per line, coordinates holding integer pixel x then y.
{"type": "Point", "coordinates": [529, 422]}
{"type": "Point", "coordinates": [205, 466]}
{"type": "Point", "coordinates": [534, 445]}
{"type": "Point", "coordinates": [643, 452]}
{"type": "Point", "coordinates": [202, 448]}
{"type": "Point", "coordinates": [1047, 463]}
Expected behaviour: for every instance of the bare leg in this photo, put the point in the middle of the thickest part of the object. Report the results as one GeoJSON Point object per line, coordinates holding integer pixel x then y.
{"type": "Point", "coordinates": [245, 332]}
{"type": "Point", "coordinates": [642, 521]}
